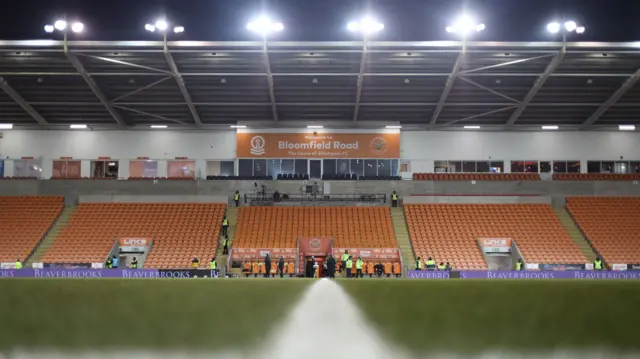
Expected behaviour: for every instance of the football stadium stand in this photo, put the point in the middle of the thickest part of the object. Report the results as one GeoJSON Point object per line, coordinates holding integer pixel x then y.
{"type": "Point", "coordinates": [279, 227]}
{"type": "Point", "coordinates": [476, 177]}
{"type": "Point", "coordinates": [611, 224]}
{"type": "Point", "coordinates": [596, 176]}
{"type": "Point", "coordinates": [449, 232]}
{"type": "Point", "coordinates": [180, 231]}
{"type": "Point", "coordinates": [25, 221]}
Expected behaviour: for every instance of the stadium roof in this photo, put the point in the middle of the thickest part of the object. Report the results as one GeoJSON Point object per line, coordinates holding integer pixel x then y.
{"type": "Point", "coordinates": [420, 85]}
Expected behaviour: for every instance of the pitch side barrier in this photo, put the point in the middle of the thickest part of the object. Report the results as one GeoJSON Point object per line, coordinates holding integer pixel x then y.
{"type": "Point", "coordinates": [107, 273]}
{"type": "Point", "coordinates": [584, 274]}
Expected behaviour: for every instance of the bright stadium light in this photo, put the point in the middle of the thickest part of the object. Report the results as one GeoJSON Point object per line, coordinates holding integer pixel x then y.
{"type": "Point", "coordinates": [264, 26]}
{"type": "Point", "coordinates": [49, 28]}
{"type": "Point", "coordinates": [315, 126]}
{"type": "Point", "coordinates": [464, 26]}
{"type": "Point", "coordinates": [77, 27]}
{"type": "Point", "coordinates": [6, 126]}
{"type": "Point", "coordinates": [468, 127]}
{"type": "Point", "coordinates": [178, 29]}
{"type": "Point", "coordinates": [238, 126]}
{"type": "Point", "coordinates": [78, 127]}
{"type": "Point", "coordinates": [553, 27]}
{"type": "Point", "coordinates": [366, 26]}
{"type": "Point", "coordinates": [161, 25]}
{"type": "Point", "coordinates": [60, 25]}
{"type": "Point", "coordinates": [150, 28]}
{"type": "Point", "coordinates": [627, 127]}
{"type": "Point", "coordinates": [549, 127]}
{"type": "Point", "coordinates": [570, 25]}
{"type": "Point", "coordinates": [158, 126]}
{"type": "Point", "coordinates": [393, 127]}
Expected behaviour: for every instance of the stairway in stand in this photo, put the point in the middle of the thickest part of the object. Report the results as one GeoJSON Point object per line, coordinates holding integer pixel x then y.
{"type": "Point", "coordinates": [575, 233]}
{"type": "Point", "coordinates": [48, 240]}
{"type": "Point", "coordinates": [232, 216]}
{"type": "Point", "coordinates": [402, 236]}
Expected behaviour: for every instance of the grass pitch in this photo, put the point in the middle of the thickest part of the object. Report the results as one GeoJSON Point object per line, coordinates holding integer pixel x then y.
{"type": "Point", "coordinates": [163, 313]}
{"type": "Point", "coordinates": [476, 316]}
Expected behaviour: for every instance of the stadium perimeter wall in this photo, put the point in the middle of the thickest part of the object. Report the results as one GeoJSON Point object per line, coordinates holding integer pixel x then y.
{"type": "Point", "coordinates": [420, 148]}
{"type": "Point", "coordinates": [73, 189]}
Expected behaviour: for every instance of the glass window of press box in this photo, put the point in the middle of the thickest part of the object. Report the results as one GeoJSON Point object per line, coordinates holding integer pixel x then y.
{"type": "Point", "coordinates": [143, 168]}
{"type": "Point", "coordinates": [619, 166]}
{"type": "Point", "coordinates": [104, 169]}
{"type": "Point", "coordinates": [490, 166]}
{"type": "Point", "coordinates": [27, 168]}
{"type": "Point", "coordinates": [70, 169]}
{"type": "Point", "coordinates": [220, 168]}
{"type": "Point", "coordinates": [328, 167]}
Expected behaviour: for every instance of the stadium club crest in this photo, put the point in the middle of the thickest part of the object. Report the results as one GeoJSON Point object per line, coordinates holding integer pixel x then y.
{"type": "Point", "coordinates": [257, 146]}
{"type": "Point", "coordinates": [314, 244]}
{"type": "Point", "coordinates": [378, 145]}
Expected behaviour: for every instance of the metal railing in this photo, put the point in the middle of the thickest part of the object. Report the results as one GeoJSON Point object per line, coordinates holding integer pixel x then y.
{"type": "Point", "coordinates": [269, 198]}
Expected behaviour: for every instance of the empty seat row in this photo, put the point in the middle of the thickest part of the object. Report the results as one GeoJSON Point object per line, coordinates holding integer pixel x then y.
{"type": "Point", "coordinates": [179, 231]}
{"type": "Point", "coordinates": [450, 232]}
{"type": "Point", "coordinates": [241, 178]}
{"type": "Point", "coordinates": [292, 176]}
{"type": "Point", "coordinates": [611, 224]}
{"type": "Point", "coordinates": [24, 221]}
{"type": "Point", "coordinates": [596, 176]}
{"type": "Point", "coordinates": [476, 177]}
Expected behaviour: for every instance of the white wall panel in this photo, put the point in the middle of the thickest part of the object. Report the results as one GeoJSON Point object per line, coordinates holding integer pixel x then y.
{"type": "Point", "coordinates": [119, 144]}
{"type": "Point", "coordinates": [458, 145]}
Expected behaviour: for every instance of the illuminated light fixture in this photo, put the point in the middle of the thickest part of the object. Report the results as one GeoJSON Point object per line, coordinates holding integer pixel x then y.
{"type": "Point", "coordinates": [78, 127]}
{"type": "Point", "coordinates": [580, 30]}
{"type": "Point", "coordinates": [465, 25]}
{"type": "Point", "coordinates": [366, 26]}
{"type": "Point", "coordinates": [553, 27]}
{"type": "Point", "coordinates": [150, 28]}
{"type": "Point", "coordinates": [264, 26]}
{"type": "Point", "coordinates": [49, 28]}
{"type": "Point", "coordinates": [6, 126]}
{"type": "Point", "coordinates": [470, 127]}
{"type": "Point", "coordinates": [158, 126]}
{"type": "Point", "coordinates": [627, 127]}
{"type": "Point", "coordinates": [60, 25]}
{"type": "Point", "coordinates": [161, 25]}
{"type": "Point", "coordinates": [315, 126]}
{"type": "Point", "coordinates": [77, 27]}
{"type": "Point", "coordinates": [549, 127]}
{"type": "Point", "coordinates": [570, 25]}
{"type": "Point", "coordinates": [393, 127]}
{"type": "Point", "coordinates": [178, 29]}
{"type": "Point", "coordinates": [238, 126]}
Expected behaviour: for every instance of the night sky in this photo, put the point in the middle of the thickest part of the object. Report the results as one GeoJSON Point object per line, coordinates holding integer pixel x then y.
{"type": "Point", "coordinates": [322, 20]}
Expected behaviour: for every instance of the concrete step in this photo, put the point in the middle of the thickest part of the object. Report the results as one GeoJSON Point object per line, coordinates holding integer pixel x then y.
{"type": "Point", "coordinates": [232, 216]}
{"type": "Point", "coordinates": [402, 235]}
{"type": "Point", "coordinates": [51, 236]}
{"type": "Point", "coordinates": [575, 233]}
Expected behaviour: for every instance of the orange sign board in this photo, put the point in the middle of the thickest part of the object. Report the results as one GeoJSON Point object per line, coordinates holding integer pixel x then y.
{"type": "Point", "coordinates": [322, 145]}
{"type": "Point", "coordinates": [496, 242]}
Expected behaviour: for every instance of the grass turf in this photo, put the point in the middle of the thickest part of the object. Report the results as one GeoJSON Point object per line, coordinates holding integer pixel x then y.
{"type": "Point", "coordinates": [474, 316]}
{"type": "Point", "coordinates": [163, 313]}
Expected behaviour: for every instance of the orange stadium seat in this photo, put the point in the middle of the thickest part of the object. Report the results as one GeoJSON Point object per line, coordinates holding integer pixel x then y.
{"type": "Point", "coordinates": [611, 224]}
{"type": "Point", "coordinates": [449, 232]}
{"type": "Point", "coordinates": [180, 231]}
{"type": "Point", "coordinates": [24, 221]}
{"type": "Point", "coordinates": [279, 227]}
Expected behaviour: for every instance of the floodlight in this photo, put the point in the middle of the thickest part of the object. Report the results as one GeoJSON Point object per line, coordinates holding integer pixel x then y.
{"type": "Point", "coordinates": [77, 27]}
{"type": "Point", "coordinates": [6, 126]}
{"type": "Point", "coordinates": [158, 126]}
{"type": "Point", "coordinates": [150, 28]}
{"type": "Point", "coordinates": [264, 26]}
{"type": "Point", "coordinates": [553, 27]}
{"type": "Point", "coordinates": [366, 26]}
{"type": "Point", "coordinates": [549, 127]}
{"type": "Point", "coordinates": [238, 126]}
{"type": "Point", "coordinates": [570, 25]}
{"type": "Point", "coordinates": [78, 127]}
{"type": "Point", "coordinates": [49, 28]}
{"type": "Point", "coordinates": [465, 25]}
{"type": "Point", "coordinates": [626, 127]}
{"type": "Point", "coordinates": [471, 127]}
{"type": "Point", "coordinates": [161, 25]}
{"type": "Point", "coordinates": [60, 25]}
{"type": "Point", "coordinates": [178, 29]}
{"type": "Point", "coordinates": [580, 30]}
